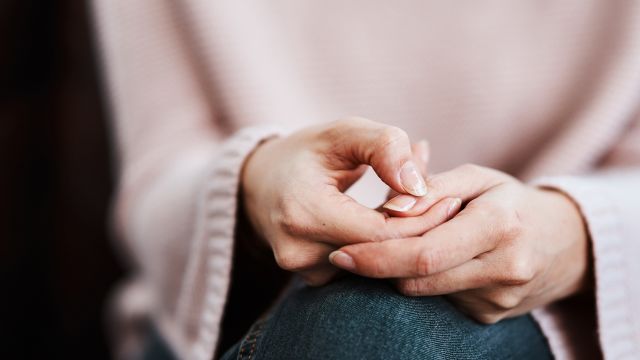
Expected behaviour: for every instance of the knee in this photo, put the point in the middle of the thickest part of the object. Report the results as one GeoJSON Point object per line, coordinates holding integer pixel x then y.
{"type": "Point", "coordinates": [365, 318]}
{"type": "Point", "coordinates": [368, 303]}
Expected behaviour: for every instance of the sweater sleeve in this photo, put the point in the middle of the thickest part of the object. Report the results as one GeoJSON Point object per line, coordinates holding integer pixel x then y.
{"type": "Point", "coordinates": [179, 168]}
{"type": "Point", "coordinates": [609, 199]}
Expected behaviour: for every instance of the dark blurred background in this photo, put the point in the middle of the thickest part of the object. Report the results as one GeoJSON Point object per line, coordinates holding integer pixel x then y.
{"type": "Point", "coordinates": [55, 181]}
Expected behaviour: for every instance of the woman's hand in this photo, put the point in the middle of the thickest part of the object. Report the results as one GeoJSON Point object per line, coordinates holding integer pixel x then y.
{"type": "Point", "coordinates": [511, 249]}
{"type": "Point", "coordinates": [294, 187]}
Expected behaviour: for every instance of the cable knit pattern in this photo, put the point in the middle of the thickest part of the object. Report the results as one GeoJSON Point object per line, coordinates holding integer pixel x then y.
{"type": "Point", "coordinates": [549, 92]}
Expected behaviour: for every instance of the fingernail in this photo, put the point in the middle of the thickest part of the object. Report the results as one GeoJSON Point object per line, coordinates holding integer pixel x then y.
{"type": "Point", "coordinates": [342, 260]}
{"type": "Point", "coordinates": [453, 207]}
{"type": "Point", "coordinates": [411, 179]}
{"type": "Point", "coordinates": [400, 203]}
{"type": "Point", "coordinates": [424, 151]}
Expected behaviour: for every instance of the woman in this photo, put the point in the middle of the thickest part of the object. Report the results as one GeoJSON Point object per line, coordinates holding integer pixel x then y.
{"type": "Point", "coordinates": [223, 118]}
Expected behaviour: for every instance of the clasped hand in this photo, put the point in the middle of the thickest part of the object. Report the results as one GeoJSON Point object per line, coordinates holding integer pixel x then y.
{"type": "Point", "coordinates": [495, 246]}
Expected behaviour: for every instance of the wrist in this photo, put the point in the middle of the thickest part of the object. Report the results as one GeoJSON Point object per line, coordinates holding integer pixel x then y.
{"type": "Point", "coordinates": [251, 179]}
{"type": "Point", "coordinates": [577, 260]}
{"type": "Point", "coordinates": [251, 165]}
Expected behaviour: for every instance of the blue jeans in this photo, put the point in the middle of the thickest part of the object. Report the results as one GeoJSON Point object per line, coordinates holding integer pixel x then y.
{"type": "Point", "coordinates": [357, 318]}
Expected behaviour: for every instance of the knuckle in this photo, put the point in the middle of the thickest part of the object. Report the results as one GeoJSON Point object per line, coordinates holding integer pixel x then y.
{"type": "Point", "coordinates": [291, 225]}
{"type": "Point", "coordinates": [342, 125]}
{"type": "Point", "coordinates": [376, 267]}
{"type": "Point", "coordinates": [488, 318]}
{"type": "Point", "coordinates": [334, 129]}
{"type": "Point", "coordinates": [505, 300]}
{"type": "Point", "coordinates": [511, 222]}
{"type": "Point", "coordinates": [291, 260]}
{"type": "Point", "coordinates": [354, 120]}
{"type": "Point", "coordinates": [485, 211]}
{"type": "Point", "coordinates": [496, 210]}
{"type": "Point", "coordinates": [470, 168]}
{"type": "Point", "coordinates": [436, 185]}
{"type": "Point", "coordinates": [518, 271]}
{"type": "Point", "coordinates": [391, 135]}
{"type": "Point", "coordinates": [490, 175]}
{"type": "Point", "coordinates": [292, 218]}
{"type": "Point", "coordinates": [492, 212]}
{"type": "Point", "coordinates": [331, 133]}
{"type": "Point", "coordinates": [409, 287]}
{"type": "Point", "coordinates": [507, 219]}
{"type": "Point", "coordinates": [337, 130]}
{"type": "Point", "coordinates": [482, 171]}
{"type": "Point", "coordinates": [425, 263]}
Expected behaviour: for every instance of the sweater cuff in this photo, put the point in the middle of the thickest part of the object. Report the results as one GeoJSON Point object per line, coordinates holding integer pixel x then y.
{"type": "Point", "coordinates": [599, 212]}
{"type": "Point", "coordinates": [207, 279]}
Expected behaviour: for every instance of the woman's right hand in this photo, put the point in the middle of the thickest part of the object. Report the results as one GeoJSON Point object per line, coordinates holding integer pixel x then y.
{"type": "Point", "coordinates": [294, 187]}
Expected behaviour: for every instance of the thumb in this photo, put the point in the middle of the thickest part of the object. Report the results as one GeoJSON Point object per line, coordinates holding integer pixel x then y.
{"type": "Point", "coordinates": [421, 154]}
{"type": "Point", "coordinates": [387, 149]}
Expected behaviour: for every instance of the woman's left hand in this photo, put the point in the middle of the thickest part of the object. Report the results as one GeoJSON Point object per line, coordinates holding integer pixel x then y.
{"type": "Point", "coordinates": [511, 249]}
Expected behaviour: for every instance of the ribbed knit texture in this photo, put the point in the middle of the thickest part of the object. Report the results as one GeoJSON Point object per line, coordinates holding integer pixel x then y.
{"type": "Point", "coordinates": [208, 273]}
{"type": "Point", "coordinates": [608, 201]}
{"type": "Point", "coordinates": [548, 92]}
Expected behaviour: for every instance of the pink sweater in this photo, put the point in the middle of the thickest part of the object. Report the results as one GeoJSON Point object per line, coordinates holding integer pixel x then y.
{"type": "Point", "coordinates": [547, 91]}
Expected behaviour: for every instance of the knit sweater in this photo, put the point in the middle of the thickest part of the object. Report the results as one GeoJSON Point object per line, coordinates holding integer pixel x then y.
{"type": "Point", "coordinates": [546, 91]}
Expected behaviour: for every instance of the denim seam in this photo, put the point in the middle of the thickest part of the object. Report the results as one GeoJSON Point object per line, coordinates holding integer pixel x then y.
{"type": "Point", "coordinates": [252, 338]}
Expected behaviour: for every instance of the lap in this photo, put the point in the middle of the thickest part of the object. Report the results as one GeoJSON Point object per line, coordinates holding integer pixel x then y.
{"type": "Point", "coordinates": [357, 318]}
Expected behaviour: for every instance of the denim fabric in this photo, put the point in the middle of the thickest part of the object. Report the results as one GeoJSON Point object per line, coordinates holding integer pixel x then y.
{"type": "Point", "coordinates": [357, 318]}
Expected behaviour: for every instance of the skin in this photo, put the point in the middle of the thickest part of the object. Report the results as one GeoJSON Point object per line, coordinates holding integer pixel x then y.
{"type": "Point", "coordinates": [510, 249]}
{"type": "Point", "coordinates": [293, 192]}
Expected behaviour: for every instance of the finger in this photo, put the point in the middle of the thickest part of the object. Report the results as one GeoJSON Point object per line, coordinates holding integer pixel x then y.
{"type": "Point", "coordinates": [346, 178]}
{"type": "Point", "coordinates": [421, 153]}
{"type": "Point", "coordinates": [451, 244]}
{"type": "Point", "coordinates": [344, 228]}
{"type": "Point", "coordinates": [386, 148]}
{"type": "Point", "coordinates": [420, 156]}
{"type": "Point", "coordinates": [489, 305]}
{"type": "Point", "coordinates": [308, 259]}
{"type": "Point", "coordinates": [435, 216]}
{"type": "Point", "coordinates": [473, 274]}
{"type": "Point", "coordinates": [319, 275]}
{"type": "Point", "coordinates": [473, 304]}
{"type": "Point", "coordinates": [465, 182]}
{"type": "Point", "coordinates": [297, 255]}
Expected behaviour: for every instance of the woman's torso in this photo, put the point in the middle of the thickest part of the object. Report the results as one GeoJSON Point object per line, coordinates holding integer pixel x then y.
{"type": "Point", "coordinates": [494, 83]}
